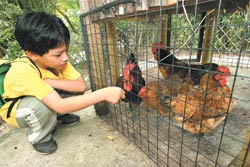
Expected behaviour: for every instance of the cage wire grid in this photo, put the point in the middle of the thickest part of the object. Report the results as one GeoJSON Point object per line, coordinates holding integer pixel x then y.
{"type": "Point", "coordinates": [196, 32]}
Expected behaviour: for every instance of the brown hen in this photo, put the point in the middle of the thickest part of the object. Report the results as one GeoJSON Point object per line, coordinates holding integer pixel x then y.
{"type": "Point", "coordinates": [160, 93]}
{"type": "Point", "coordinates": [202, 109]}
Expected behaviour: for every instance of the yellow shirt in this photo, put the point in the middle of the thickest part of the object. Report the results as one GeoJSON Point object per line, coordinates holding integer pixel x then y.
{"type": "Point", "coordinates": [23, 79]}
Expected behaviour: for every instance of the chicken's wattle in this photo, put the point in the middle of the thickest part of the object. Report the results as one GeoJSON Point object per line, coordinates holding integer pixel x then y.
{"type": "Point", "coordinates": [221, 79]}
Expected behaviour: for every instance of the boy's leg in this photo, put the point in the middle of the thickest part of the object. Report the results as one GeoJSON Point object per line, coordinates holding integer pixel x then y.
{"type": "Point", "coordinates": [67, 119]}
{"type": "Point", "coordinates": [40, 121]}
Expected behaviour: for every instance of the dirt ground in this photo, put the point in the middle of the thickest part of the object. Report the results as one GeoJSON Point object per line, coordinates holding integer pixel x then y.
{"type": "Point", "coordinates": [90, 143]}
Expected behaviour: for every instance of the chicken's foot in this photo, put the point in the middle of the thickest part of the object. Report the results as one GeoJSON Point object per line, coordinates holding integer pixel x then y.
{"type": "Point", "coordinates": [159, 121]}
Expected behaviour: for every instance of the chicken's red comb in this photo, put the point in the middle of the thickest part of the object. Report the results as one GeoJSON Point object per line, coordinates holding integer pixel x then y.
{"type": "Point", "coordinates": [224, 69]}
{"type": "Point", "coordinates": [156, 45]}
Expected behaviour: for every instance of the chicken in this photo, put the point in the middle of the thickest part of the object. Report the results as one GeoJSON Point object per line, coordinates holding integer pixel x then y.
{"type": "Point", "coordinates": [155, 97]}
{"type": "Point", "coordinates": [217, 93]}
{"type": "Point", "coordinates": [203, 108]}
{"type": "Point", "coordinates": [172, 67]}
{"type": "Point", "coordinates": [160, 93]}
{"type": "Point", "coordinates": [132, 82]}
{"type": "Point", "coordinates": [169, 65]}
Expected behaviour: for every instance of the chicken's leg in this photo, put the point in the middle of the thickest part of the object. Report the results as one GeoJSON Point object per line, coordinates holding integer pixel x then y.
{"type": "Point", "coordinates": [133, 110]}
{"type": "Point", "coordinates": [159, 121]}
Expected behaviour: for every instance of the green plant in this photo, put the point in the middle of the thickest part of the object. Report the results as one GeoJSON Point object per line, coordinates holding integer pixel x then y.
{"type": "Point", "coordinates": [9, 13]}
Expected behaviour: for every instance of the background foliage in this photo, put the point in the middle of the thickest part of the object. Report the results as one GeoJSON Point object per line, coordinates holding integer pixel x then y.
{"type": "Point", "coordinates": [9, 13]}
{"type": "Point", "coordinates": [133, 34]}
{"type": "Point", "coordinates": [231, 34]}
{"type": "Point", "coordinates": [68, 10]}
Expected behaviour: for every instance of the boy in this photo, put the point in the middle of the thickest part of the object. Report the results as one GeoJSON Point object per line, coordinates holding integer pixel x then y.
{"type": "Point", "coordinates": [31, 82]}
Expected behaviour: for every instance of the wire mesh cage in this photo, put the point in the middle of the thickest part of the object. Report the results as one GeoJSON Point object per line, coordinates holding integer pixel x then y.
{"type": "Point", "coordinates": [184, 66]}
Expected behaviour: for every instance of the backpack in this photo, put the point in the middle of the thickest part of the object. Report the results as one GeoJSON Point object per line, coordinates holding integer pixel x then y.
{"type": "Point", "coordinates": [4, 68]}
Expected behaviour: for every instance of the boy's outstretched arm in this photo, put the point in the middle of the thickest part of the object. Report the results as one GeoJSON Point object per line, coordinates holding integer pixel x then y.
{"type": "Point", "coordinates": [77, 85]}
{"type": "Point", "coordinates": [74, 103]}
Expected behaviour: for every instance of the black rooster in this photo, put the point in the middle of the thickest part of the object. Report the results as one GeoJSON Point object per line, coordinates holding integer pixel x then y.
{"type": "Point", "coordinates": [171, 66]}
{"type": "Point", "coordinates": [132, 82]}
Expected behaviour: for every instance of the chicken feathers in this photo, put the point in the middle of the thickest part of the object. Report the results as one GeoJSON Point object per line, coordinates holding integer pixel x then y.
{"type": "Point", "coordinates": [132, 81]}
{"type": "Point", "coordinates": [160, 93]}
{"type": "Point", "coordinates": [172, 67]}
{"type": "Point", "coordinates": [200, 109]}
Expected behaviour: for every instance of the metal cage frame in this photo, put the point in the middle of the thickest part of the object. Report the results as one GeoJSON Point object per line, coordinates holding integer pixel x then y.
{"type": "Point", "coordinates": [169, 144]}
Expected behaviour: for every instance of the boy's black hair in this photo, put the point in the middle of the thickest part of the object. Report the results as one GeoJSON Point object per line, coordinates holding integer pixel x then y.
{"type": "Point", "coordinates": [38, 32]}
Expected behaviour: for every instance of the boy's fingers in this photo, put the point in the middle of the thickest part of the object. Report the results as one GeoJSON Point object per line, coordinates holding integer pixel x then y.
{"type": "Point", "coordinates": [123, 94]}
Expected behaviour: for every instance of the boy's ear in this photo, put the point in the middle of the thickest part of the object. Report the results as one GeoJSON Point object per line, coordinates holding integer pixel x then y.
{"type": "Point", "coordinates": [32, 55]}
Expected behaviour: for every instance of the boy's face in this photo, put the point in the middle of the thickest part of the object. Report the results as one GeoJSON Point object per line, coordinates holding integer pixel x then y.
{"type": "Point", "coordinates": [56, 58]}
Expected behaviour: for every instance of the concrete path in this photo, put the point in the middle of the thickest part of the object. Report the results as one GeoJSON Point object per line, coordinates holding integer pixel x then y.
{"type": "Point", "coordinates": [90, 143]}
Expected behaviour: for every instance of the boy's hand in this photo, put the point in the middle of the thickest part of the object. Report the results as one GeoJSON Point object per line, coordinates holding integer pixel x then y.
{"type": "Point", "coordinates": [113, 94]}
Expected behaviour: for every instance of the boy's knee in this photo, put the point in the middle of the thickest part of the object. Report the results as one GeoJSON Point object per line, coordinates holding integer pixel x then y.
{"type": "Point", "coordinates": [32, 111]}
{"type": "Point", "coordinates": [37, 107]}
